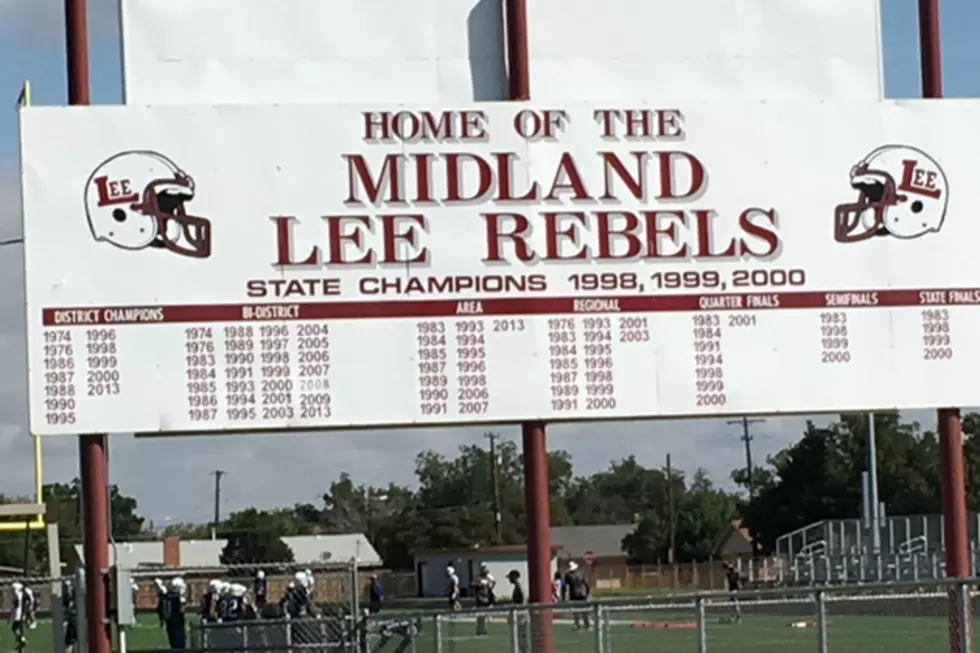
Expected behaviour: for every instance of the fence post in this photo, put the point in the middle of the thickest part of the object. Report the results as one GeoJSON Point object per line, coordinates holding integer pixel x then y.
{"type": "Point", "coordinates": [702, 621]}
{"type": "Point", "coordinates": [966, 607]}
{"type": "Point", "coordinates": [513, 621]}
{"type": "Point", "coordinates": [355, 596]}
{"type": "Point", "coordinates": [438, 634]}
{"type": "Point", "coordinates": [599, 619]}
{"type": "Point", "coordinates": [821, 622]}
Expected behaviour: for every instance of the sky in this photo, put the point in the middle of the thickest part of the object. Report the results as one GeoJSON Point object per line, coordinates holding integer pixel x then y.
{"type": "Point", "coordinates": [275, 470]}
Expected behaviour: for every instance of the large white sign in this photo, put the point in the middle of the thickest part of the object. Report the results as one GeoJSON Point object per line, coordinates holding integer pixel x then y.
{"type": "Point", "coordinates": [453, 51]}
{"type": "Point", "coordinates": [216, 268]}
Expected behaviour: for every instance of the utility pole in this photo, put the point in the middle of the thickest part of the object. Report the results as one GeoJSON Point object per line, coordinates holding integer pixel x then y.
{"type": "Point", "coordinates": [495, 483]}
{"type": "Point", "coordinates": [747, 438]}
{"type": "Point", "coordinates": [875, 512]}
{"type": "Point", "coordinates": [671, 514]}
{"type": "Point", "coordinates": [217, 502]}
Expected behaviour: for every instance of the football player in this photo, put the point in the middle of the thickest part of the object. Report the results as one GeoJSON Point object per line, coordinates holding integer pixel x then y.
{"type": "Point", "coordinates": [173, 613]}
{"type": "Point", "coordinates": [452, 589]}
{"type": "Point", "coordinates": [260, 587]}
{"type": "Point", "coordinates": [296, 601]}
{"type": "Point", "coordinates": [30, 608]}
{"type": "Point", "coordinates": [161, 600]}
{"type": "Point", "coordinates": [484, 595]}
{"type": "Point", "coordinates": [69, 614]}
{"type": "Point", "coordinates": [577, 588]}
{"type": "Point", "coordinates": [19, 611]}
{"type": "Point", "coordinates": [209, 601]}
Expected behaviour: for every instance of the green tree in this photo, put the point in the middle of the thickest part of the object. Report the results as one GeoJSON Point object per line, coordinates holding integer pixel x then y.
{"type": "Point", "coordinates": [703, 512]}
{"type": "Point", "coordinates": [763, 478]}
{"type": "Point", "coordinates": [617, 495]}
{"type": "Point", "coordinates": [254, 536]}
{"type": "Point", "coordinates": [65, 499]}
{"type": "Point", "coordinates": [819, 477]}
{"type": "Point", "coordinates": [650, 541]}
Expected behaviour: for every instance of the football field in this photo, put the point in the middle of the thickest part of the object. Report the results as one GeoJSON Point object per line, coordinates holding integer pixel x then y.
{"type": "Point", "coordinates": [846, 634]}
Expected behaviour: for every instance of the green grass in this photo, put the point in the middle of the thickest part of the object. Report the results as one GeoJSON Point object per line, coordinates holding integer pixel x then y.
{"type": "Point", "coordinates": [757, 633]}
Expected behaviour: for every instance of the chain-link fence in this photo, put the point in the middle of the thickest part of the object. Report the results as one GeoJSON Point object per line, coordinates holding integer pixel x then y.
{"type": "Point", "coordinates": [887, 618]}
{"type": "Point", "coordinates": [333, 590]}
{"type": "Point", "coordinates": [333, 584]}
{"type": "Point", "coordinates": [894, 618]}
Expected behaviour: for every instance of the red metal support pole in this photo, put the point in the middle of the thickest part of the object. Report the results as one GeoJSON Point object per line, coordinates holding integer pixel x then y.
{"type": "Point", "coordinates": [952, 474]}
{"type": "Point", "coordinates": [537, 495]}
{"type": "Point", "coordinates": [76, 42]}
{"type": "Point", "coordinates": [91, 448]}
{"type": "Point", "coordinates": [95, 515]}
{"type": "Point", "coordinates": [518, 57]}
{"type": "Point", "coordinates": [930, 55]}
{"type": "Point", "coordinates": [537, 499]}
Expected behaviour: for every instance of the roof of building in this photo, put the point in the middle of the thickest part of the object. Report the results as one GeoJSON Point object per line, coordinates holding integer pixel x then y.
{"type": "Point", "coordinates": [504, 549]}
{"type": "Point", "coordinates": [734, 529]}
{"type": "Point", "coordinates": [333, 548]}
{"type": "Point", "coordinates": [307, 549]}
{"type": "Point", "coordinates": [601, 541]}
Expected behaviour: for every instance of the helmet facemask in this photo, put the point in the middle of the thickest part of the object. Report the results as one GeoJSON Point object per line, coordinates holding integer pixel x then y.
{"type": "Point", "coordinates": [164, 201]}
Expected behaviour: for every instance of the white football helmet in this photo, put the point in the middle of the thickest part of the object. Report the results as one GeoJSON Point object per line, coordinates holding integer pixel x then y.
{"type": "Point", "coordinates": [260, 574]}
{"type": "Point", "coordinates": [137, 199]}
{"type": "Point", "coordinates": [238, 590]}
{"type": "Point", "coordinates": [902, 192]}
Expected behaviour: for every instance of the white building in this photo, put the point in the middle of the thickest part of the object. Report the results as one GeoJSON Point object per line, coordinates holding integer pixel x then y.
{"type": "Point", "coordinates": [430, 567]}
{"type": "Point", "coordinates": [173, 552]}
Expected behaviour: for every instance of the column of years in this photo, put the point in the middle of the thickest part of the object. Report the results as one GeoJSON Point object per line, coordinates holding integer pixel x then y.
{"type": "Point", "coordinates": [60, 380]}
{"type": "Point", "coordinates": [433, 357]}
{"type": "Point", "coordinates": [275, 373]}
{"type": "Point", "coordinates": [313, 366]}
{"type": "Point", "coordinates": [597, 351]}
{"type": "Point", "coordinates": [709, 371]}
{"type": "Point", "coordinates": [835, 348]}
{"type": "Point", "coordinates": [473, 390]}
{"type": "Point", "coordinates": [563, 365]}
{"type": "Point", "coordinates": [240, 386]}
{"type": "Point", "coordinates": [201, 374]}
{"type": "Point", "coordinates": [937, 340]}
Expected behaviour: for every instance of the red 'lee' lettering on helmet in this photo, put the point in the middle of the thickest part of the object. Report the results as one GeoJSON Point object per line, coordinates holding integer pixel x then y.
{"type": "Point", "coordinates": [114, 192]}
{"type": "Point", "coordinates": [918, 181]}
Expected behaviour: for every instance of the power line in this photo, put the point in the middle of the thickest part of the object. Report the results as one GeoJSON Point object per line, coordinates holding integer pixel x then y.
{"type": "Point", "coordinates": [747, 438]}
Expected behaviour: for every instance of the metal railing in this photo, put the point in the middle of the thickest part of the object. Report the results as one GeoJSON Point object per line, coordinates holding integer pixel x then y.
{"type": "Point", "coordinates": [892, 618]}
